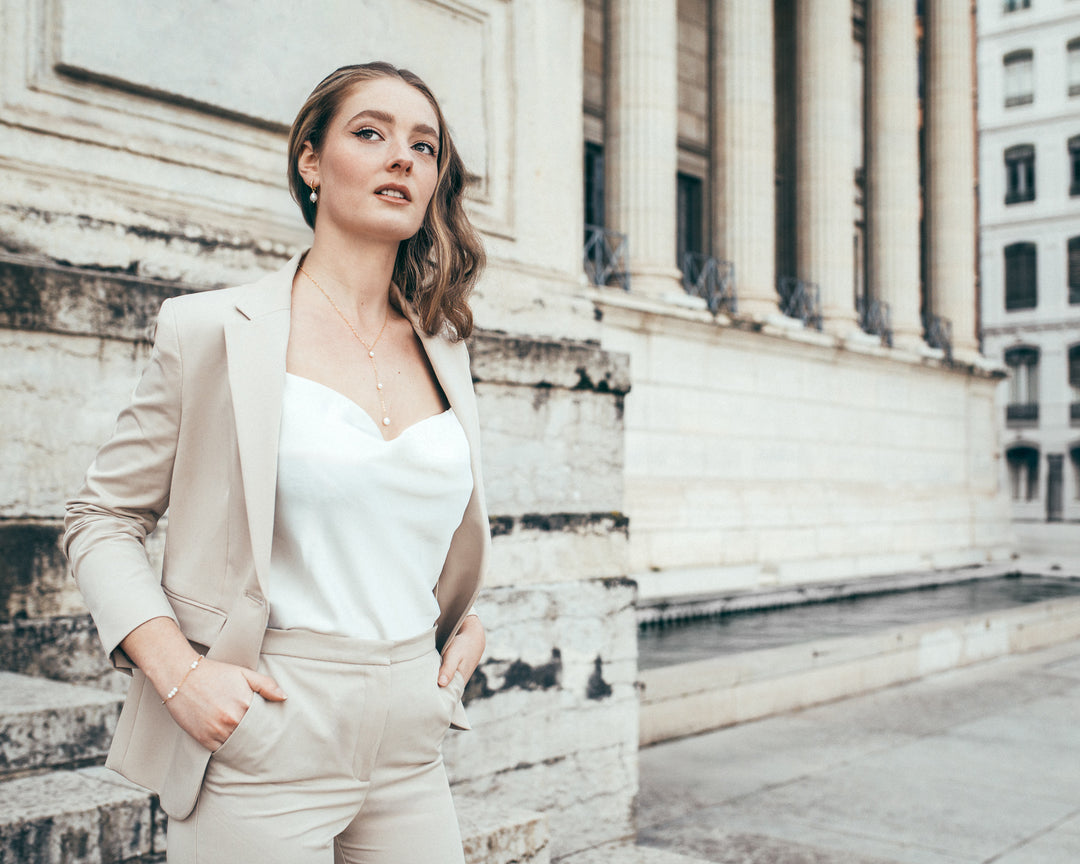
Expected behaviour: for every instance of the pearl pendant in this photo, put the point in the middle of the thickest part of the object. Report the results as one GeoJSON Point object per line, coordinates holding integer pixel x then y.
{"type": "Point", "coordinates": [378, 386]}
{"type": "Point", "coordinates": [313, 197]}
{"type": "Point", "coordinates": [370, 353]}
{"type": "Point", "coordinates": [385, 421]}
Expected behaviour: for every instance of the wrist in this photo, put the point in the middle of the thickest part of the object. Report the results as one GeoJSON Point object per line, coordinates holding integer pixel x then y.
{"type": "Point", "coordinates": [192, 666]}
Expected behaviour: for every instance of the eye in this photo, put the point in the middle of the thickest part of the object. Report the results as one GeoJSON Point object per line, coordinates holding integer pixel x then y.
{"type": "Point", "coordinates": [424, 147]}
{"type": "Point", "coordinates": [368, 134]}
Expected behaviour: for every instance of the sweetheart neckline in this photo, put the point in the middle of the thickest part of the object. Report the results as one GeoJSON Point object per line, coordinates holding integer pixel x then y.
{"type": "Point", "coordinates": [376, 426]}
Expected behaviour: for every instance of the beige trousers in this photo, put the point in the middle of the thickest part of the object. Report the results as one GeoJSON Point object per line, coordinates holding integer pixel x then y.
{"type": "Point", "coordinates": [347, 770]}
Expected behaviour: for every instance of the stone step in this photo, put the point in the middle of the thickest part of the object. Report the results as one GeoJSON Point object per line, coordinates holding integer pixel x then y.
{"type": "Point", "coordinates": [94, 815]}
{"type": "Point", "coordinates": [625, 852]}
{"type": "Point", "coordinates": [64, 648]}
{"type": "Point", "coordinates": [87, 815]}
{"type": "Point", "coordinates": [495, 834]}
{"type": "Point", "coordinates": [47, 724]}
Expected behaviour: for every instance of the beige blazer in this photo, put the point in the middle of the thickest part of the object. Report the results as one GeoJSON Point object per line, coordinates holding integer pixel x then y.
{"type": "Point", "coordinates": [200, 439]}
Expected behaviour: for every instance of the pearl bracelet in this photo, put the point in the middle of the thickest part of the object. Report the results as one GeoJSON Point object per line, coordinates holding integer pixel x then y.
{"type": "Point", "coordinates": [176, 689]}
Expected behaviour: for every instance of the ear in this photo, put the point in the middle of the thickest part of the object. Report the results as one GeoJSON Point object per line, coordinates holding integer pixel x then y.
{"type": "Point", "coordinates": [308, 165]}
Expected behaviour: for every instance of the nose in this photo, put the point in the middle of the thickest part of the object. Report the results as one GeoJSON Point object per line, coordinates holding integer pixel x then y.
{"type": "Point", "coordinates": [402, 159]}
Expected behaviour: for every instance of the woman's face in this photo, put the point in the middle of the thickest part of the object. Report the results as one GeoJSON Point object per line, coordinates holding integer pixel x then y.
{"type": "Point", "coordinates": [378, 165]}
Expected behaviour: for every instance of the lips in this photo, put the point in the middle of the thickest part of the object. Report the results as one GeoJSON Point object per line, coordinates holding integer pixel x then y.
{"type": "Point", "coordinates": [393, 192]}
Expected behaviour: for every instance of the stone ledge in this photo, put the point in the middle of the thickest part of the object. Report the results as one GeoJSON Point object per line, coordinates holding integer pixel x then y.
{"type": "Point", "coordinates": [494, 834]}
{"type": "Point", "coordinates": [44, 295]}
{"type": "Point", "coordinates": [695, 697]}
{"type": "Point", "coordinates": [50, 724]}
{"type": "Point", "coordinates": [534, 362]}
{"type": "Point", "coordinates": [83, 815]}
{"type": "Point", "coordinates": [63, 649]}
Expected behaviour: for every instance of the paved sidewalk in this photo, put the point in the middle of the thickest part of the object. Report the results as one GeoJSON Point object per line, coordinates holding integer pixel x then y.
{"type": "Point", "coordinates": [980, 764]}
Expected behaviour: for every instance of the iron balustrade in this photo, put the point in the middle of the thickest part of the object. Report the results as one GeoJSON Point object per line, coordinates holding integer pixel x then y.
{"type": "Point", "coordinates": [799, 299]}
{"type": "Point", "coordinates": [937, 332]}
{"type": "Point", "coordinates": [1022, 412]}
{"type": "Point", "coordinates": [712, 280]}
{"type": "Point", "coordinates": [875, 318]}
{"type": "Point", "coordinates": [605, 257]}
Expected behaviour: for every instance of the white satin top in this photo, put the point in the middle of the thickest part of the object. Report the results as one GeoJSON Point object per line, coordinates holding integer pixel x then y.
{"type": "Point", "coordinates": [362, 525]}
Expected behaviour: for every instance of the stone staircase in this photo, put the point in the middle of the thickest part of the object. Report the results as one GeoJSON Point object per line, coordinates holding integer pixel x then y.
{"type": "Point", "coordinates": [58, 805]}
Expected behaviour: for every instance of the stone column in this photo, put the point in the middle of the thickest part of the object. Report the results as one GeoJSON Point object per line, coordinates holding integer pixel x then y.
{"type": "Point", "coordinates": [641, 132]}
{"type": "Point", "coordinates": [744, 150]}
{"type": "Point", "coordinates": [950, 185]}
{"type": "Point", "coordinates": [892, 157]}
{"type": "Point", "coordinates": [825, 157]}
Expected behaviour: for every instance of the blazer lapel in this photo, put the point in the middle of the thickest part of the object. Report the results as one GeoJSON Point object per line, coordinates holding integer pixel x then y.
{"type": "Point", "coordinates": [255, 346]}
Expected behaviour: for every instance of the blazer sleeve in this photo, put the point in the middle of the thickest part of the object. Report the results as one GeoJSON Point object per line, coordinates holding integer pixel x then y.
{"type": "Point", "coordinates": [125, 493]}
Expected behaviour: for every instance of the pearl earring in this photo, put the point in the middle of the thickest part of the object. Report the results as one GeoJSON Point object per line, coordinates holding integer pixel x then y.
{"type": "Point", "coordinates": [314, 196]}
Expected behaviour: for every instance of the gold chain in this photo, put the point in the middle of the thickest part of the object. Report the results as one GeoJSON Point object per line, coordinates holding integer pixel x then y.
{"type": "Point", "coordinates": [370, 348]}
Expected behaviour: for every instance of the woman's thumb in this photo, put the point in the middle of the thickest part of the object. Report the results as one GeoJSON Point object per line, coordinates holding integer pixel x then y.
{"type": "Point", "coordinates": [265, 686]}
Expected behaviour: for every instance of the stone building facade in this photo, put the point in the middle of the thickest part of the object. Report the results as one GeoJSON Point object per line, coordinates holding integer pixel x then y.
{"type": "Point", "coordinates": [1029, 144]}
{"type": "Point", "coordinates": [807, 170]}
{"type": "Point", "coordinates": [698, 406]}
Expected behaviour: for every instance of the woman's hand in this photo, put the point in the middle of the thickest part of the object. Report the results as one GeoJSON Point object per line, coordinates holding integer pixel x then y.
{"type": "Point", "coordinates": [464, 651]}
{"type": "Point", "coordinates": [212, 698]}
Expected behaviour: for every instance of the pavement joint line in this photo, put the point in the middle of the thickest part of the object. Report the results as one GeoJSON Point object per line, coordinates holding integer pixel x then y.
{"type": "Point", "coordinates": [1027, 841]}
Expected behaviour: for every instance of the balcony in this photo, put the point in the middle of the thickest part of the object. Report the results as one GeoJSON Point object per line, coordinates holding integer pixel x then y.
{"type": "Point", "coordinates": [605, 257]}
{"type": "Point", "coordinates": [712, 280]}
{"type": "Point", "coordinates": [799, 299]}
{"type": "Point", "coordinates": [875, 318]}
{"type": "Point", "coordinates": [1022, 414]}
{"type": "Point", "coordinates": [937, 332]}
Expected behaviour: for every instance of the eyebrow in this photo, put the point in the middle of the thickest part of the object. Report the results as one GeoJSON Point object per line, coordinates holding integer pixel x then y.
{"type": "Point", "coordinates": [376, 114]}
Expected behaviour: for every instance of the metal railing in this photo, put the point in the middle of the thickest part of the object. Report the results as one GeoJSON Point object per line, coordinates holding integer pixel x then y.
{"type": "Point", "coordinates": [1074, 412]}
{"type": "Point", "coordinates": [875, 318]}
{"type": "Point", "coordinates": [712, 280]}
{"type": "Point", "coordinates": [605, 257]}
{"type": "Point", "coordinates": [799, 299]}
{"type": "Point", "coordinates": [1022, 412]}
{"type": "Point", "coordinates": [937, 332]}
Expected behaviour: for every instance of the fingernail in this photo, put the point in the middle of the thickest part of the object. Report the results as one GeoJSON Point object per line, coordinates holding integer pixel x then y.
{"type": "Point", "coordinates": [442, 680]}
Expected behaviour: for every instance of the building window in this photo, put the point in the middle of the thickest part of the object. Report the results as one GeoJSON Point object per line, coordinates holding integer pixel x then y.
{"type": "Point", "coordinates": [1023, 407]}
{"type": "Point", "coordinates": [1074, 385]}
{"type": "Point", "coordinates": [1073, 73]}
{"type": "Point", "coordinates": [1074, 269]}
{"type": "Point", "coordinates": [1016, 5]}
{"type": "Point", "coordinates": [594, 184]}
{"type": "Point", "coordinates": [1023, 461]}
{"type": "Point", "coordinates": [1019, 78]}
{"type": "Point", "coordinates": [690, 235]}
{"type": "Point", "coordinates": [1074, 165]}
{"type": "Point", "coordinates": [1021, 291]}
{"type": "Point", "coordinates": [1020, 174]}
{"type": "Point", "coordinates": [1074, 454]}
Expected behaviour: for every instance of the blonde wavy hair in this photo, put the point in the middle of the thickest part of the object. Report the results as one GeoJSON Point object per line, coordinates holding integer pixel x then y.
{"type": "Point", "coordinates": [438, 266]}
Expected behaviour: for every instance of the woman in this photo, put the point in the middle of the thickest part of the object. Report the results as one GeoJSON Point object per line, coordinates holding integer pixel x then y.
{"type": "Point", "coordinates": [314, 438]}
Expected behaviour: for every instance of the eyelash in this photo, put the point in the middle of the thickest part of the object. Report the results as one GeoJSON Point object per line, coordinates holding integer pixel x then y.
{"type": "Point", "coordinates": [359, 133]}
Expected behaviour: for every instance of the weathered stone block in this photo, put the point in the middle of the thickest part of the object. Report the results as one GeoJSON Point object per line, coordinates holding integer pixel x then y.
{"type": "Point", "coordinates": [74, 816]}
{"type": "Point", "coordinates": [49, 723]}
{"type": "Point", "coordinates": [554, 708]}
{"type": "Point", "coordinates": [64, 649]}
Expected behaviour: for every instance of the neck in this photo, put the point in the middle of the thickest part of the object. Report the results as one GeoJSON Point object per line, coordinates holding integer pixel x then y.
{"type": "Point", "coordinates": [355, 272]}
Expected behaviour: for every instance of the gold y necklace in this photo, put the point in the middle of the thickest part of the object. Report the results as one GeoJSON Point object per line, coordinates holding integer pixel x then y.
{"type": "Point", "coordinates": [370, 348]}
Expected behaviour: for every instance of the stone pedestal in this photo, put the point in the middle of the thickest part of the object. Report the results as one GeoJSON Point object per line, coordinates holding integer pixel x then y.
{"type": "Point", "coordinates": [744, 151]}
{"type": "Point", "coordinates": [892, 174]}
